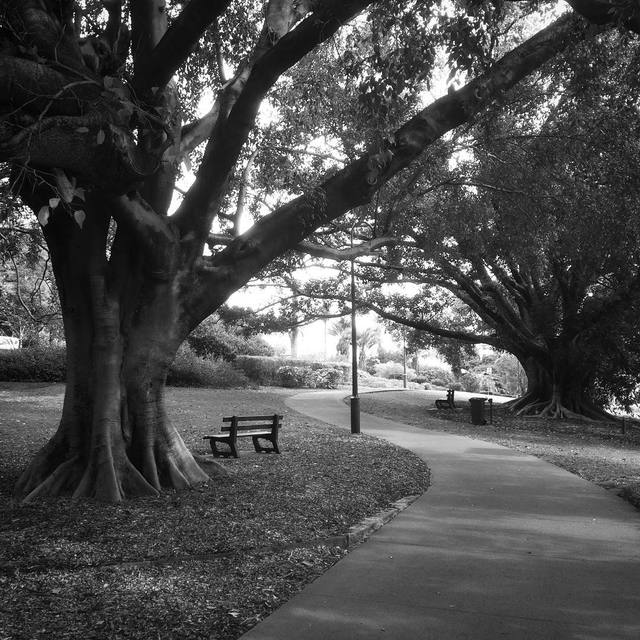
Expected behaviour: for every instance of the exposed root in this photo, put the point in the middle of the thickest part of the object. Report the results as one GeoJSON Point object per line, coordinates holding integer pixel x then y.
{"type": "Point", "coordinates": [54, 484]}
{"type": "Point", "coordinates": [554, 408]}
{"type": "Point", "coordinates": [107, 479]}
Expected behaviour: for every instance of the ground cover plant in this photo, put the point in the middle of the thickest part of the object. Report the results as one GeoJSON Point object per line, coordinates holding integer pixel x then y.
{"type": "Point", "coordinates": [198, 564]}
{"type": "Point", "coordinates": [596, 451]}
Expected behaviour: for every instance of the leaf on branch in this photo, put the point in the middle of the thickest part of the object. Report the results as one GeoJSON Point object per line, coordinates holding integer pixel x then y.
{"type": "Point", "coordinates": [43, 215]}
{"type": "Point", "coordinates": [54, 202]}
{"type": "Point", "coordinates": [79, 193]}
{"type": "Point", "coordinates": [100, 138]}
{"type": "Point", "coordinates": [79, 216]}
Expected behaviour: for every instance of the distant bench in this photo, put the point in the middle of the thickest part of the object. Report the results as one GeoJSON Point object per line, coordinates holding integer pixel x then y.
{"type": "Point", "coordinates": [448, 403]}
{"type": "Point", "coordinates": [255, 427]}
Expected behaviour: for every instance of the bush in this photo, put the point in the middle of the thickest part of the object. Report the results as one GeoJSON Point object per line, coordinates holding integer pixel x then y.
{"type": "Point", "coordinates": [294, 377]}
{"type": "Point", "coordinates": [33, 364]}
{"type": "Point", "coordinates": [472, 382]}
{"type": "Point", "coordinates": [190, 370]}
{"type": "Point", "coordinates": [393, 370]}
{"type": "Point", "coordinates": [212, 340]}
{"type": "Point", "coordinates": [260, 370]}
{"type": "Point", "coordinates": [327, 378]}
{"type": "Point", "coordinates": [263, 370]}
{"type": "Point", "coordinates": [438, 376]}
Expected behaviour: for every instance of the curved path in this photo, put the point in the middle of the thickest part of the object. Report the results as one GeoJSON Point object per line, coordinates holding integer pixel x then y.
{"type": "Point", "coordinates": [502, 545]}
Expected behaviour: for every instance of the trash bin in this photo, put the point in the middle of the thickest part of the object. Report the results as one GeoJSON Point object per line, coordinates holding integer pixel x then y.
{"type": "Point", "coordinates": [477, 410]}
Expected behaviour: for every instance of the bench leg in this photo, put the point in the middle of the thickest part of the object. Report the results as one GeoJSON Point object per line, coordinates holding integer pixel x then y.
{"type": "Point", "coordinates": [233, 451]}
{"type": "Point", "coordinates": [260, 449]}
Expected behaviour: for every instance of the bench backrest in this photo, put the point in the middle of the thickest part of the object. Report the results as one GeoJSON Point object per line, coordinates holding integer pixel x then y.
{"type": "Point", "coordinates": [252, 423]}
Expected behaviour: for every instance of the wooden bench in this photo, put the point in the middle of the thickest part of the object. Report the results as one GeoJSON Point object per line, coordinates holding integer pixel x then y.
{"type": "Point", "coordinates": [255, 427]}
{"type": "Point", "coordinates": [448, 403]}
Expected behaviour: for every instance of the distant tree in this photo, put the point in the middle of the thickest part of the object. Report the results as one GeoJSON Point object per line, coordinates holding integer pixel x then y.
{"type": "Point", "coordinates": [538, 235]}
{"type": "Point", "coordinates": [530, 220]}
{"type": "Point", "coordinates": [341, 329]}
{"type": "Point", "coordinates": [29, 307]}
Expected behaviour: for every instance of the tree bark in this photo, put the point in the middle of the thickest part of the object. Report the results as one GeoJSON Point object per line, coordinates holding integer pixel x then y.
{"type": "Point", "coordinates": [557, 387]}
{"type": "Point", "coordinates": [123, 325]}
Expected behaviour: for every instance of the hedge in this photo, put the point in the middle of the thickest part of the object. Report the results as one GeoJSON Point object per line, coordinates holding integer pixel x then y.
{"type": "Point", "coordinates": [33, 364]}
{"type": "Point", "coordinates": [266, 371]}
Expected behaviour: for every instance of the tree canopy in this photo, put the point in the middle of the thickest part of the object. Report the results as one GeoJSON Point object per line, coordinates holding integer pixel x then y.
{"type": "Point", "coordinates": [530, 219]}
{"type": "Point", "coordinates": [101, 116]}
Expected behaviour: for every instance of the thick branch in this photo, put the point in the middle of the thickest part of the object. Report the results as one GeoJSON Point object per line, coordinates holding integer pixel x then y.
{"type": "Point", "coordinates": [196, 212]}
{"type": "Point", "coordinates": [34, 88]}
{"type": "Point", "coordinates": [340, 255]}
{"type": "Point", "coordinates": [357, 182]}
{"type": "Point", "coordinates": [157, 68]}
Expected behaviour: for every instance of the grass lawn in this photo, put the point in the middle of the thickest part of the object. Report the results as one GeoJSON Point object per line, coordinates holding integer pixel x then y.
{"type": "Point", "coordinates": [598, 452]}
{"type": "Point", "coordinates": [201, 564]}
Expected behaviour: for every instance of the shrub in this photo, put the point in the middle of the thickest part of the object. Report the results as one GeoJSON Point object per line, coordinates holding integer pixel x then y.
{"type": "Point", "coordinates": [327, 378]}
{"type": "Point", "coordinates": [437, 376]}
{"type": "Point", "coordinates": [260, 370]}
{"type": "Point", "coordinates": [393, 370]}
{"type": "Point", "coordinates": [213, 340]}
{"type": "Point", "coordinates": [33, 364]}
{"type": "Point", "coordinates": [471, 382]}
{"type": "Point", "coordinates": [295, 377]}
{"type": "Point", "coordinates": [263, 370]}
{"type": "Point", "coordinates": [190, 370]}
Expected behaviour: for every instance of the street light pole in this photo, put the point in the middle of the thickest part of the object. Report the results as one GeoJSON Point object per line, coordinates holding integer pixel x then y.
{"type": "Point", "coordinates": [404, 358]}
{"type": "Point", "coordinates": [355, 400]}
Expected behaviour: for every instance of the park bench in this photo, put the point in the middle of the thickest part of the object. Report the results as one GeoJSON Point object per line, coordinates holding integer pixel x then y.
{"type": "Point", "coordinates": [441, 403]}
{"type": "Point", "coordinates": [255, 427]}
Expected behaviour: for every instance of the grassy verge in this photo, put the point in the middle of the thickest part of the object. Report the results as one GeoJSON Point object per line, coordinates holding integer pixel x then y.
{"type": "Point", "coordinates": [201, 564]}
{"type": "Point", "coordinates": [598, 452]}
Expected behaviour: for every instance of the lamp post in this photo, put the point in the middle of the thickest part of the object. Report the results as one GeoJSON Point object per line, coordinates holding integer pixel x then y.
{"type": "Point", "coordinates": [404, 358]}
{"type": "Point", "coordinates": [355, 400]}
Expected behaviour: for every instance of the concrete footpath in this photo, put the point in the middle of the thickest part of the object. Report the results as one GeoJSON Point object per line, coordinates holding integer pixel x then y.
{"type": "Point", "coordinates": [502, 545]}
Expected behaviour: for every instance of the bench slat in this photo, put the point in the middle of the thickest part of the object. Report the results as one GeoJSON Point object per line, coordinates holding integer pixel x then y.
{"type": "Point", "coordinates": [250, 418]}
{"type": "Point", "coordinates": [249, 427]}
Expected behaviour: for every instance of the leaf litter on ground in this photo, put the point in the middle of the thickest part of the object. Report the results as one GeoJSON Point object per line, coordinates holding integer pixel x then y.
{"type": "Point", "coordinates": [208, 563]}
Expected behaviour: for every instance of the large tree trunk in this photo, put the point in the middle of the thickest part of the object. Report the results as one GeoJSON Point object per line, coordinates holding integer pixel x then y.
{"type": "Point", "coordinates": [123, 327]}
{"type": "Point", "coordinates": [558, 386]}
{"type": "Point", "coordinates": [114, 439]}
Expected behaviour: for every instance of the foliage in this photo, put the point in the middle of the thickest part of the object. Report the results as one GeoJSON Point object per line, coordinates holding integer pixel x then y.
{"type": "Point", "coordinates": [264, 370]}
{"type": "Point", "coordinates": [521, 232]}
{"type": "Point", "coordinates": [294, 377]}
{"type": "Point", "coordinates": [214, 339]}
{"type": "Point", "coordinates": [260, 370]}
{"type": "Point", "coordinates": [341, 328]}
{"type": "Point", "coordinates": [327, 378]}
{"type": "Point", "coordinates": [393, 370]}
{"type": "Point", "coordinates": [33, 364]}
{"type": "Point", "coordinates": [297, 377]}
{"type": "Point", "coordinates": [29, 306]}
{"type": "Point", "coordinates": [190, 370]}
{"type": "Point", "coordinates": [435, 376]}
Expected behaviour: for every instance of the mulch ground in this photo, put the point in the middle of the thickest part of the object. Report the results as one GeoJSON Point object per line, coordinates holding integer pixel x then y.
{"type": "Point", "coordinates": [200, 564]}
{"type": "Point", "coordinates": [596, 451]}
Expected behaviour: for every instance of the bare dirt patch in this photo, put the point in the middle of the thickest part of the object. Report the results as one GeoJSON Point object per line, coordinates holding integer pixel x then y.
{"type": "Point", "coordinates": [201, 564]}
